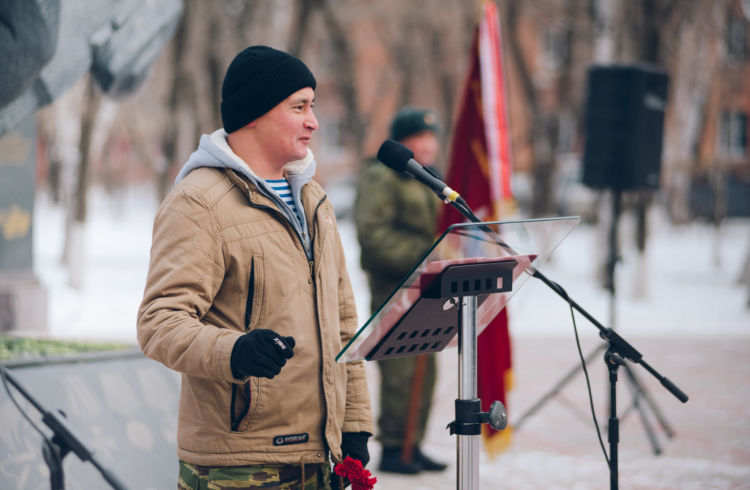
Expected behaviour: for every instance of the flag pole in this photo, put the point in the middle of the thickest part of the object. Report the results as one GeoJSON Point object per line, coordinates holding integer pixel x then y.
{"type": "Point", "coordinates": [412, 414]}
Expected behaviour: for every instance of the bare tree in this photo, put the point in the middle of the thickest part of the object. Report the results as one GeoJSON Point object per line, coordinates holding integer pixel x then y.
{"type": "Point", "coordinates": [303, 10]}
{"type": "Point", "coordinates": [441, 48]}
{"type": "Point", "coordinates": [696, 59]}
{"type": "Point", "coordinates": [88, 116]}
{"type": "Point", "coordinates": [74, 248]}
{"type": "Point", "coordinates": [544, 120]}
{"type": "Point", "coordinates": [354, 120]}
{"type": "Point", "coordinates": [181, 90]}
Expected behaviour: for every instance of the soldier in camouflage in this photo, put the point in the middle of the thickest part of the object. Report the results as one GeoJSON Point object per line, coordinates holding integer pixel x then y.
{"type": "Point", "coordinates": [396, 217]}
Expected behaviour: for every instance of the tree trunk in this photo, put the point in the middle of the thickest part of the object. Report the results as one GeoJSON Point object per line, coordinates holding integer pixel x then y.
{"type": "Point", "coordinates": [446, 84]}
{"type": "Point", "coordinates": [354, 122]}
{"type": "Point", "coordinates": [650, 51]}
{"type": "Point", "coordinates": [176, 94]}
{"type": "Point", "coordinates": [541, 135]}
{"type": "Point", "coordinates": [744, 277]}
{"type": "Point", "coordinates": [302, 14]}
{"type": "Point", "coordinates": [88, 117]}
{"type": "Point", "coordinates": [214, 71]}
{"type": "Point", "coordinates": [545, 138]}
{"type": "Point", "coordinates": [77, 230]}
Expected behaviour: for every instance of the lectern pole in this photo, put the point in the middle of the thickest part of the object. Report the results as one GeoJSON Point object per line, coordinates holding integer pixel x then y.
{"type": "Point", "coordinates": [467, 445]}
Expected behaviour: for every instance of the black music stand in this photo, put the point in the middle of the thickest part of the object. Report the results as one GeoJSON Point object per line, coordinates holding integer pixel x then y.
{"type": "Point", "coordinates": [455, 289]}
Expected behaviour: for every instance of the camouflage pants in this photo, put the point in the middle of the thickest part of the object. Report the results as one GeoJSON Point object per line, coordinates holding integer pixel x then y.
{"type": "Point", "coordinates": [397, 376]}
{"type": "Point", "coordinates": [269, 476]}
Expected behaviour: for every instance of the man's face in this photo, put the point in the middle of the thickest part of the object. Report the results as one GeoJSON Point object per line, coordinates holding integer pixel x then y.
{"type": "Point", "coordinates": [424, 145]}
{"type": "Point", "coordinates": [286, 130]}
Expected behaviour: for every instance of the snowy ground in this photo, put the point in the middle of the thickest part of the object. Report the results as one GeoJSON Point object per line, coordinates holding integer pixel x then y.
{"type": "Point", "coordinates": [692, 324]}
{"type": "Point", "coordinates": [690, 276]}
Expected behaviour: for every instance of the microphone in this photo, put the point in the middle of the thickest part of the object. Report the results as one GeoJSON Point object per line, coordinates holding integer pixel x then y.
{"type": "Point", "coordinates": [401, 159]}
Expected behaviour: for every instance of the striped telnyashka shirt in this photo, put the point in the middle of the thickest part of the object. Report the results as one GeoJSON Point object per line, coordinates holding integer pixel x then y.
{"type": "Point", "coordinates": [282, 189]}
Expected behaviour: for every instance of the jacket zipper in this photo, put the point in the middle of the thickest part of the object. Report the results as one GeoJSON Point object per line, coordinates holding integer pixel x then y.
{"type": "Point", "coordinates": [312, 238]}
{"type": "Point", "coordinates": [315, 296]}
{"type": "Point", "coordinates": [286, 220]}
{"type": "Point", "coordinates": [311, 263]}
{"type": "Point", "coordinates": [302, 242]}
{"type": "Point", "coordinates": [236, 421]}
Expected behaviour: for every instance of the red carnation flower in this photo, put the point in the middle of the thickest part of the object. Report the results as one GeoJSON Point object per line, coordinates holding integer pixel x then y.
{"type": "Point", "coordinates": [352, 470]}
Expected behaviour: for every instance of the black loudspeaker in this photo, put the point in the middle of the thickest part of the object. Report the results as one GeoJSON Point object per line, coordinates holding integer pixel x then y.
{"type": "Point", "coordinates": [624, 123]}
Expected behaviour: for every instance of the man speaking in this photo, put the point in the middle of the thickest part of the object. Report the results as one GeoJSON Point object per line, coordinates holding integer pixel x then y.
{"type": "Point", "coordinates": [248, 296]}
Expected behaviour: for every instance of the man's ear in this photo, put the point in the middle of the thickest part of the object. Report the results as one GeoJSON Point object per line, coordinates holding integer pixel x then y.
{"type": "Point", "coordinates": [251, 124]}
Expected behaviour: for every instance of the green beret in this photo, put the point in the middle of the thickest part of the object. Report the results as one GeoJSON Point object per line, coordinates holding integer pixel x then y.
{"type": "Point", "coordinates": [411, 120]}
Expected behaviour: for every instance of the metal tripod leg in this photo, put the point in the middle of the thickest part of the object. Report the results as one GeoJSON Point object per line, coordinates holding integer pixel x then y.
{"type": "Point", "coordinates": [556, 389]}
{"type": "Point", "coordinates": [640, 393]}
{"type": "Point", "coordinates": [666, 427]}
{"type": "Point", "coordinates": [636, 390]}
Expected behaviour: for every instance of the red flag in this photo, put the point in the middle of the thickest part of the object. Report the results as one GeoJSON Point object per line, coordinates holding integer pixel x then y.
{"type": "Point", "coordinates": [479, 169]}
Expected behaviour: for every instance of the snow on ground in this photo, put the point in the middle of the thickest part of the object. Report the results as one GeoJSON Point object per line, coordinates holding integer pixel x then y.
{"type": "Point", "coordinates": [687, 292]}
{"type": "Point", "coordinates": [692, 324]}
{"type": "Point", "coordinates": [116, 250]}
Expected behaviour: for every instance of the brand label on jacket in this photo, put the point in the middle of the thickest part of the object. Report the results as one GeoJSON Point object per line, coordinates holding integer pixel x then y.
{"type": "Point", "coordinates": [290, 439]}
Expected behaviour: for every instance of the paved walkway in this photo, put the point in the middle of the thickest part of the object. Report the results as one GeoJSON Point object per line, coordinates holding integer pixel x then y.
{"type": "Point", "coordinates": [556, 448]}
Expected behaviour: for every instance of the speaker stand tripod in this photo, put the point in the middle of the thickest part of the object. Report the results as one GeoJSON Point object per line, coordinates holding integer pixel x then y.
{"type": "Point", "coordinates": [638, 391]}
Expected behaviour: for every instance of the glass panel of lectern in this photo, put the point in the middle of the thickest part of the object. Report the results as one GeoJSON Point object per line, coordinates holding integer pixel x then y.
{"type": "Point", "coordinates": [489, 260]}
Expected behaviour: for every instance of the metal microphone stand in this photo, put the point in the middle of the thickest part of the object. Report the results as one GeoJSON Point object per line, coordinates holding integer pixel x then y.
{"type": "Point", "coordinates": [639, 392]}
{"type": "Point", "coordinates": [63, 441]}
{"type": "Point", "coordinates": [619, 349]}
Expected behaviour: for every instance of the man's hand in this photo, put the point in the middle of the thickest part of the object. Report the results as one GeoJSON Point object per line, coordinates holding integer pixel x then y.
{"type": "Point", "coordinates": [354, 444]}
{"type": "Point", "coordinates": [260, 353]}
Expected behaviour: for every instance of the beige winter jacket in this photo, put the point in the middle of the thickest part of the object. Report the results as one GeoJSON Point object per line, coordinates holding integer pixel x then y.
{"type": "Point", "coordinates": [217, 242]}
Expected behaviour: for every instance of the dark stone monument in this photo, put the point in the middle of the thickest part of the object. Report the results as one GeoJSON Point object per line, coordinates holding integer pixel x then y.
{"type": "Point", "coordinates": [45, 47]}
{"type": "Point", "coordinates": [23, 301]}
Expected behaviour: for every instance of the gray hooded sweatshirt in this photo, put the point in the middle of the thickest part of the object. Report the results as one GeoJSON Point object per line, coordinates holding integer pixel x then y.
{"type": "Point", "coordinates": [214, 151]}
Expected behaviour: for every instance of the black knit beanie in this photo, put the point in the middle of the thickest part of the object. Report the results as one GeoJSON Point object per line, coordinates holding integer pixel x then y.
{"type": "Point", "coordinates": [258, 78]}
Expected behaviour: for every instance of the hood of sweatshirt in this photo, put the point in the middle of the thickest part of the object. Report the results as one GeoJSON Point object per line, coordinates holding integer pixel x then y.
{"type": "Point", "coordinates": [214, 151]}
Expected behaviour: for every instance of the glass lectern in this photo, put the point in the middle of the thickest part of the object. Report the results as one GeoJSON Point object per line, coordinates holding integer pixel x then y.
{"type": "Point", "coordinates": [525, 244]}
{"type": "Point", "coordinates": [463, 281]}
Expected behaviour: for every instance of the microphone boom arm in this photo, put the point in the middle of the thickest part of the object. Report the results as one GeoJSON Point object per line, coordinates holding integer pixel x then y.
{"type": "Point", "coordinates": [616, 342]}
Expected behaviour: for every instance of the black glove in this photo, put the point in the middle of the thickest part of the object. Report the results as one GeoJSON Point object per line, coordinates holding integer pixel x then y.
{"type": "Point", "coordinates": [354, 444]}
{"type": "Point", "coordinates": [260, 353]}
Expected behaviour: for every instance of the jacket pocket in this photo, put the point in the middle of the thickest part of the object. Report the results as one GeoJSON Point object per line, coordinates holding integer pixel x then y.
{"type": "Point", "coordinates": [255, 288]}
{"type": "Point", "coordinates": [240, 396]}
{"type": "Point", "coordinates": [243, 404]}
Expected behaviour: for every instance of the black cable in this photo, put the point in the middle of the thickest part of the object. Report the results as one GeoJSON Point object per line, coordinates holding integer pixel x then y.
{"type": "Point", "coordinates": [464, 208]}
{"type": "Point", "coordinates": [586, 374]}
{"type": "Point", "coordinates": [10, 395]}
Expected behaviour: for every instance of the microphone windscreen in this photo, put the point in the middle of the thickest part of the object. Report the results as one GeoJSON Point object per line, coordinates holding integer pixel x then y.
{"type": "Point", "coordinates": [394, 155]}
